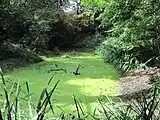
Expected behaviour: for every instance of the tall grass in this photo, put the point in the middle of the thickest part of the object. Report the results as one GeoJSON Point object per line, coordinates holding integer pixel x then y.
{"type": "Point", "coordinates": [118, 53]}
{"type": "Point", "coordinates": [144, 108]}
{"type": "Point", "coordinates": [11, 109]}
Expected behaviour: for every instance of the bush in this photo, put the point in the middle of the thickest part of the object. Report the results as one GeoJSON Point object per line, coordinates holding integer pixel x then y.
{"type": "Point", "coordinates": [69, 30]}
{"type": "Point", "coordinates": [10, 50]}
{"type": "Point", "coordinates": [27, 23]}
{"type": "Point", "coordinates": [119, 53]}
{"type": "Point", "coordinates": [135, 22]}
{"type": "Point", "coordinates": [91, 41]}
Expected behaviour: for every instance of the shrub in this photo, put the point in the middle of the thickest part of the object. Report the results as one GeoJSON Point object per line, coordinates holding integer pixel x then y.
{"type": "Point", "coordinates": [135, 22]}
{"type": "Point", "coordinates": [91, 41]}
{"type": "Point", "coordinates": [69, 30]}
{"type": "Point", "coordinates": [119, 53]}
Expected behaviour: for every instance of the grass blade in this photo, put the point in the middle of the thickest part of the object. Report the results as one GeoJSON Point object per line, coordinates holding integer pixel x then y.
{"type": "Point", "coordinates": [45, 101]}
{"type": "Point", "coordinates": [16, 109]}
{"type": "Point", "coordinates": [27, 86]}
{"type": "Point", "coordinates": [153, 103]}
{"type": "Point", "coordinates": [75, 101]}
{"type": "Point", "coordinates": [6, 96]}
{"type": "Point", "coordinates": [104, 110]}
{"type": "Point", "coordinates": [39, 105]}
{"type": "Point", "coordinates": [50, 80]}
{"type": "Point", "coordinates": [49, 101]}
{"type": "Point", "coordinates": [55, 86]}
{"type": "Point", "coordinates": [81, 107]}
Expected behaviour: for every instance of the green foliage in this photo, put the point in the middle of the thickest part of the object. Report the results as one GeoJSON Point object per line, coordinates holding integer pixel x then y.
{"type": "Point", "coordinates": [27, 23]}
{"type": "Point", "coordinates": [119, 53]}
{"type": "Point", "coordinates": [68, 29]}
{"type": "Point", "coordinates": [92, 3]}
{"type": "Point", "coordinates": [91, 41]}
{"type": "Point", "coordinates": [134, 24]}
{"type": "Point", "coordinates": [41, 25]}
{"type": "Point", "coordinates": [134, 21]}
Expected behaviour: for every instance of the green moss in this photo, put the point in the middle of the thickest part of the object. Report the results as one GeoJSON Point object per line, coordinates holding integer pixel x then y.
{"type": "Point", "coordinates": [96, 78]}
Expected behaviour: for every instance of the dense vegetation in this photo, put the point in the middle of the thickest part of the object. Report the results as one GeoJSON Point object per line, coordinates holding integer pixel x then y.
{"type": "Point", "coordinates": [130, 30]}
{"type": "Point", "coordinates": [36, 27]}
{"type": "Point", "coordinates": [124, 33]}
{"type": "Point", "coordinates": [132, 33]}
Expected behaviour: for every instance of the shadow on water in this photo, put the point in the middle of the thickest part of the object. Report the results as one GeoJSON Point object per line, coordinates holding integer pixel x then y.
{"type": "Point", "coordinates": [96, 79]}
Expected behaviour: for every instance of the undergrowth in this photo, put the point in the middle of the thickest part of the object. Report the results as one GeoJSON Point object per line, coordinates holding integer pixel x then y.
{"type": "Point", "coordinates": [118, 53]}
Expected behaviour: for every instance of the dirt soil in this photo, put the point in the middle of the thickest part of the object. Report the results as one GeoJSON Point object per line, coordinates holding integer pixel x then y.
{"type": "Point", "coordinates": [135, 82]}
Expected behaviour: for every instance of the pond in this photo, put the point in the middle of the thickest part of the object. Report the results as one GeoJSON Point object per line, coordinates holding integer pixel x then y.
{"type": "Point", "coordinates": [96, 79]}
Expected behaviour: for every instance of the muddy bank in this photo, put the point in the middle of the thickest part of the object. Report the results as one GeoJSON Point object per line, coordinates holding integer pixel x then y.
{"type": "Point", "coordinates": [133, 83]}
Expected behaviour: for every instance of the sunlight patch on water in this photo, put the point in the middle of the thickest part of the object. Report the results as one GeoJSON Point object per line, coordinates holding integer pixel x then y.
{"type": "Point", "coordinates": [95, 87]}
